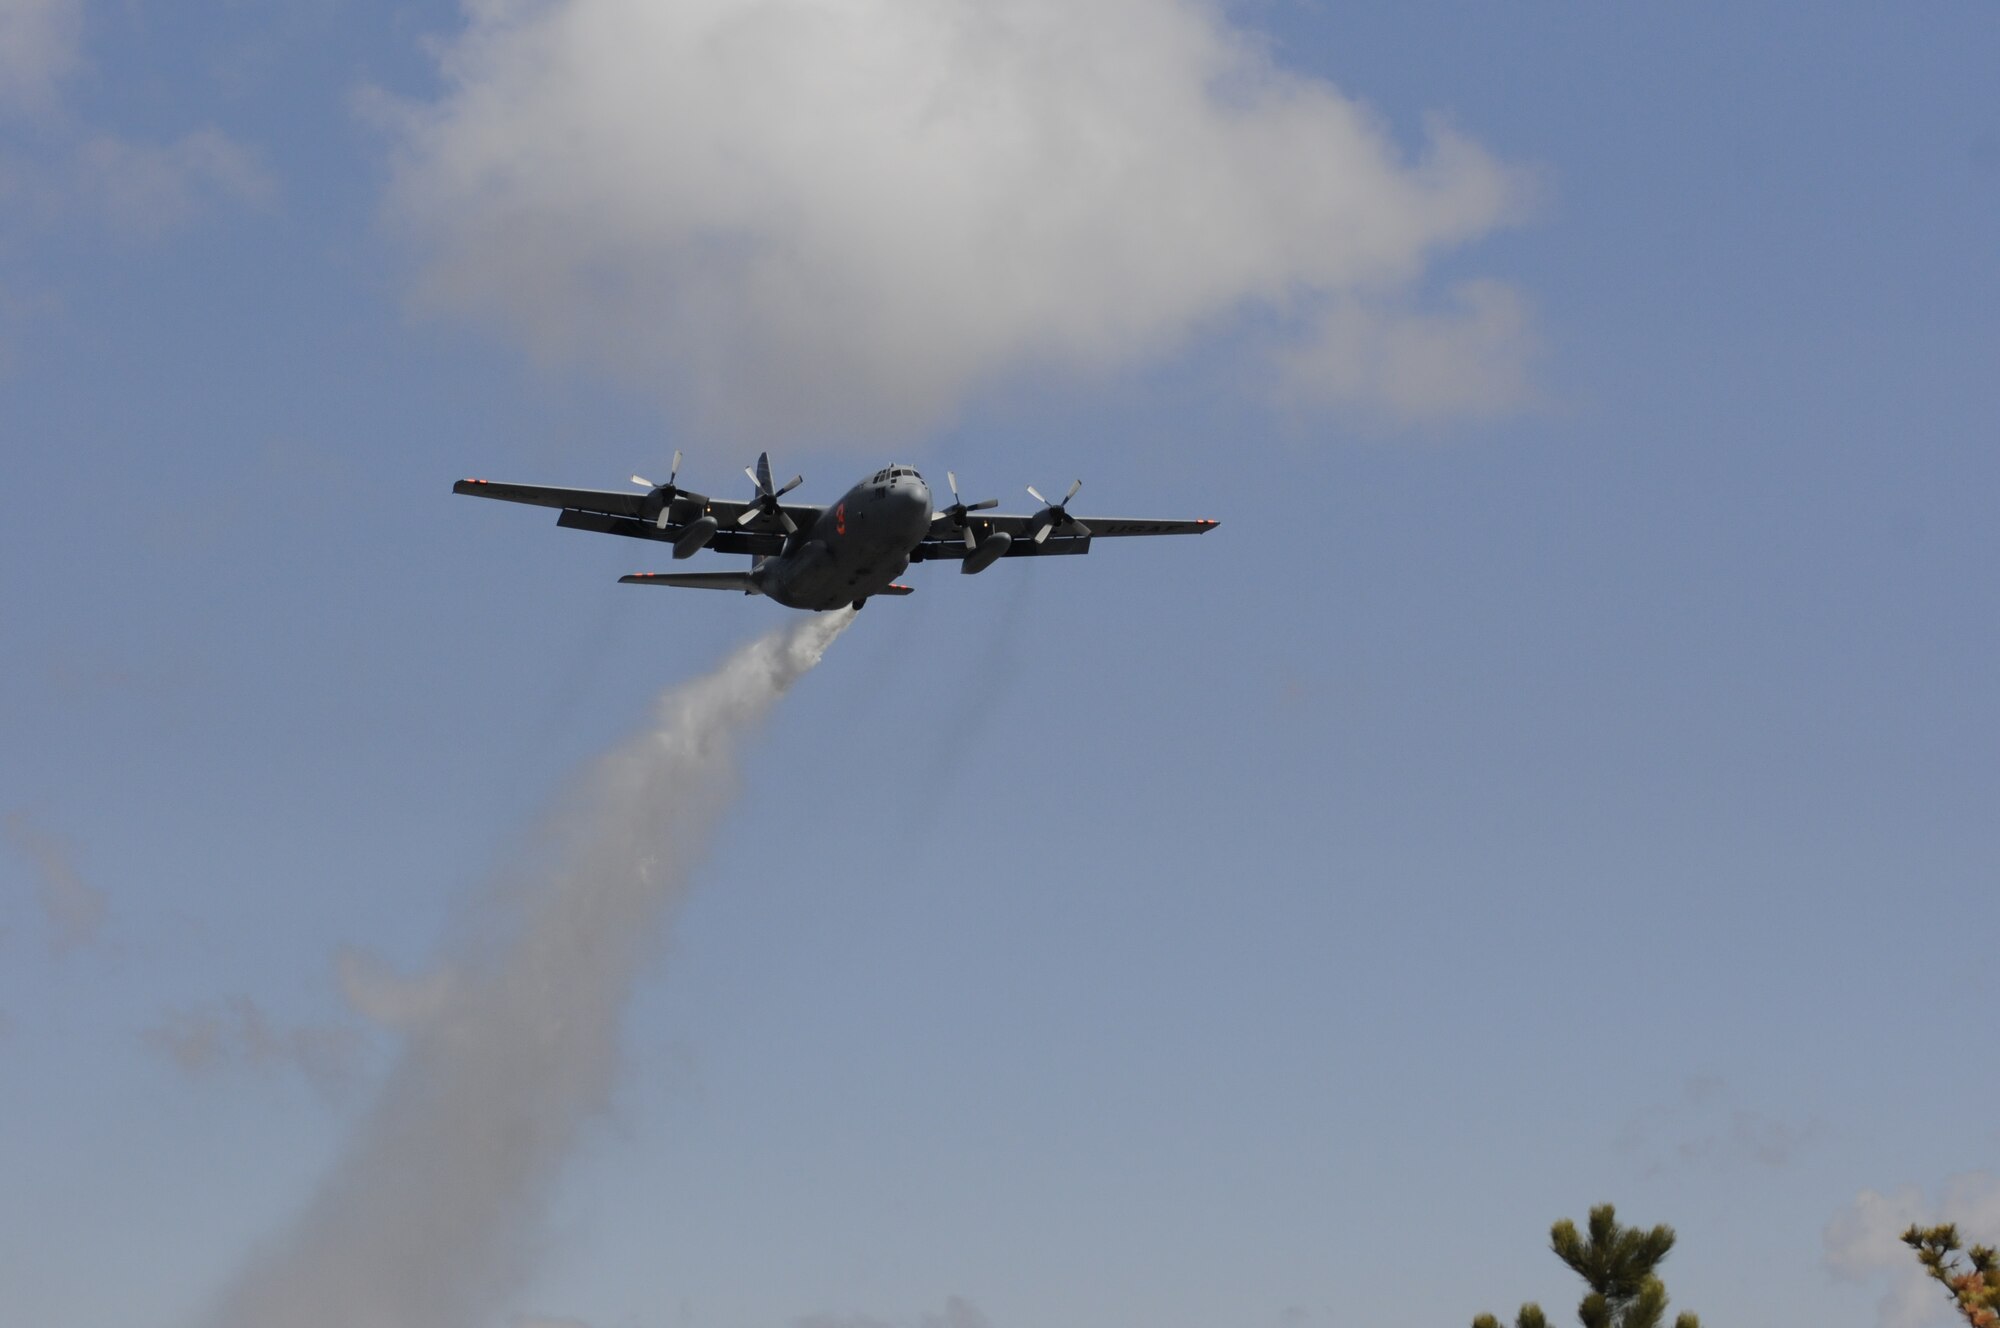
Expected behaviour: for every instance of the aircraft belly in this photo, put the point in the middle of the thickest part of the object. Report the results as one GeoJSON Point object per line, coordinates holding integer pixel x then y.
{"type": "Point", "coordinates": [854, 567]}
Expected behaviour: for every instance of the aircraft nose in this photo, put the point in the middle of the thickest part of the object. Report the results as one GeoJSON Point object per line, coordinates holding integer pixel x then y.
{"type": "Point", "coordinates": [913, 499]}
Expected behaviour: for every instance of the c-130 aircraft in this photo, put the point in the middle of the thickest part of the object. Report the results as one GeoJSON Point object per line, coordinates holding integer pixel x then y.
{"type": "Point", "coordinates": [823, 557]}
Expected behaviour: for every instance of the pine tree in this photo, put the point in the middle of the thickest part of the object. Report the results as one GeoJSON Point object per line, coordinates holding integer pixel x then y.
{"type": "Point", "coordinates": [1975, 1290]}
{"type": "Point", "coordinates": [1618, 1263]}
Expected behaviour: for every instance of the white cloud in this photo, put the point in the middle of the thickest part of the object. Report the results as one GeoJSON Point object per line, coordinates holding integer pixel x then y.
{"type": "Point", "coordinates": [236, 1032]}
{"type": "Point", "coordinates": [1416, 365]}
{"type": "Point", "coordinates": [63, 167]}
{"type": "Point", "coordinates": [958, 1312]}
{"type": "Point", "coordinates": [58, 171]}
{"type": "Point", "coordinates": [383, 996]}
{"type": "Point", "coordinates": [1705, 1128]}
{"type": "Point", "coordinates": [73, 906]}
{"type": "Point", "coordinates": [837, 218]}
{"type": "Point", "coordinates": [38, 46]}
{"type": "Point", "coordinates": [1864, 1242]}
{"type": "Point", "coordinates": [146, 188]}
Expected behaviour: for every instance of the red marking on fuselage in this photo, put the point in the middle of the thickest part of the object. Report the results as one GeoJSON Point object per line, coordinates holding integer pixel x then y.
{"type": "Point", "coordinates": [840, 519]}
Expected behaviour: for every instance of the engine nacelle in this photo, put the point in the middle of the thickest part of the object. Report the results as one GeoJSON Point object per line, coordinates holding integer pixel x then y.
{"type": "Point", "coordinates": [989, 551]}
{"type": "Point", "coordinates": [695, 538]}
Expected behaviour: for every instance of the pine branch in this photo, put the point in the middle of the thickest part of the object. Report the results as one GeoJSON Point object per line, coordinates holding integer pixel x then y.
{"type": "Point", "coordinates": [1974, 1286]}
{"type": "Point", "coordinates": [1618, 1264]}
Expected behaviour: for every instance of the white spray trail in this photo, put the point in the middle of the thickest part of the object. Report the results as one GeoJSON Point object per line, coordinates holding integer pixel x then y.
{"type": "Point", "coordinates": [430, 1218]}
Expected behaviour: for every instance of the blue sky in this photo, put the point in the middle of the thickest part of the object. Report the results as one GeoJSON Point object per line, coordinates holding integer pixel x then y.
{"type": "Point", "coordinates": [1572, 778]}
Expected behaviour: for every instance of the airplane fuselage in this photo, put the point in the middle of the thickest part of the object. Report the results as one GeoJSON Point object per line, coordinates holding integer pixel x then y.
{"type": "Point", "coordinates": [818, 558]}
{"type": "Point", "coordinates": [856, 548]}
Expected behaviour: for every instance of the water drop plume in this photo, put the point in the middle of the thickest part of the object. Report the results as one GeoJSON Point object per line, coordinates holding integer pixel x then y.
{"type": "Point", "coordinates": [431, 1215]}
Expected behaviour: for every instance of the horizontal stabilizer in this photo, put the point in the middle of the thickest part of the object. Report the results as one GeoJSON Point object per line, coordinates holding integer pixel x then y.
{"type": "Point", "coordinates": [740, 581]}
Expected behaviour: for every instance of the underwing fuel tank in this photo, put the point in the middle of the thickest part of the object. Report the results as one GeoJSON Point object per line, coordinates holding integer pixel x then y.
{"type": "Point", "coordinates": [989, 551]}
{"type": "Point", "coordinates": [695, 538]}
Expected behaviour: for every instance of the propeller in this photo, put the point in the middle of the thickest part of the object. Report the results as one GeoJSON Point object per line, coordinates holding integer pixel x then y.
{"type": "Point", "coordinates": [766, 502]}
{"type": "Point", "coordinates": [1053, 515]}
{"type": "Point", "coordinates": [959, 509]}
{"type": "Point", "coordinates": [663, 494]}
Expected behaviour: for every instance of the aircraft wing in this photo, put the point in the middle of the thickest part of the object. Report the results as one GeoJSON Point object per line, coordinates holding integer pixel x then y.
{"type": "Point", "coordinates": [729, 515]}
{"type": "Point", "coordinates": [742, 581]}
{"type": "Point", "coordinates": [694, 580]}
{"type": "Point", "coordinates": [624, 512]}
{"type": "Point", "coordinates": [947, 539]}
{"type": "Point", "coordinates": [610, 502]}
{"type": "Point", "coordinates": [1100, 526]}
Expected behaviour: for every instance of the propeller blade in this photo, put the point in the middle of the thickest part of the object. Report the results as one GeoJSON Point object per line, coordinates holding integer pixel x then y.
{"type": "Point", "coordinates": [1078, 528]}
{"type": "Point", "coordinates": [959, 510]}
{"type": "Point", "coordinates": [1036, 494]}
{"type": "Point", "coordinates": [1071, 494]}
{"type": "Point", "coordinates": [785, 520]}
{"type": "Point", "coordinates": [749, 514]}
{"type": "Point", "coordinates": [644, 482]}
{"type": "Point", "coordinates": [762, 487]}
{"type": "Point", "coordinates": [1042, 531]}
{"type": "Point", "coordinates": [796, 481]}
{"type": "Point", "coordinates": [660, 521]}
{"type": "Point", "coordinates": [675, 472]}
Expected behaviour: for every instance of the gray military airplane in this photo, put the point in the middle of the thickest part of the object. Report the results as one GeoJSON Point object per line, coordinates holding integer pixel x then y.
{"type": "Point", "coordinates": [823, 557]}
